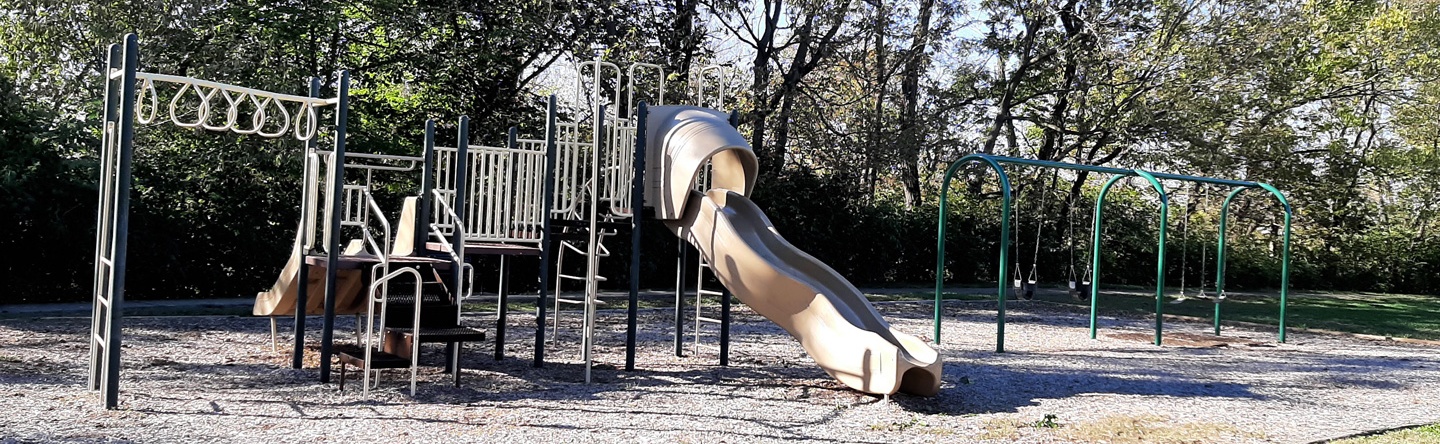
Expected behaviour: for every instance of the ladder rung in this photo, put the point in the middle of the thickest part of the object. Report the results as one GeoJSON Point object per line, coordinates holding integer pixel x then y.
{"type": "Point", "coordinates": [103, 300]}
{"type": "Point", "coordinates": [578, 301]}
{"type": "Point", "coordinates": [581, 277]}
{"type": "Point", "coordinates": [705, 319]}
{"type": "Point", "coordinates": [710, 292]}
{"type": "Point", "coordinates": [98, 340]}
{"type": "Point", "coordinates": [107, 262]}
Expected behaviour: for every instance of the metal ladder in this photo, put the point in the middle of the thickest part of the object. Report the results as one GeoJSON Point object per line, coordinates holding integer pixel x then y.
{"type": "Point", "coordinates": [723, 348]}
{"type": "Point", "coordinates": [560, 277]}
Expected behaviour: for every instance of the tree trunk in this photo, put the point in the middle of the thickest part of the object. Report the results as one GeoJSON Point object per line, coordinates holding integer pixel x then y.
{"type": "Point", "coordinates": [911, 134]}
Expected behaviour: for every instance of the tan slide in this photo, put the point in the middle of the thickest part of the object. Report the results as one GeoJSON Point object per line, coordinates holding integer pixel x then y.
{"type": "Point", "coordinates": [833, 321]}
{"type": "Point", "coordinates": [281, 299]}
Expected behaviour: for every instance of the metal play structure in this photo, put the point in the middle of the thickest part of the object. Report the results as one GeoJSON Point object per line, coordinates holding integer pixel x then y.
{"type": "Point", "coordinates": [997, 163]}
{"type": "Point", "coordinates": [407, 275]}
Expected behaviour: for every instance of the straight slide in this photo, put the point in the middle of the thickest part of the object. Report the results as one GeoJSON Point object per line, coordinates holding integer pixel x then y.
{"type": "Point", "coordinates": [283, 295]}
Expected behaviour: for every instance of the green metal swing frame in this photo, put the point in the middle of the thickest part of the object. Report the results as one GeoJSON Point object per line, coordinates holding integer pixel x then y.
{"type": "Point", "coordinates": [997, 163]}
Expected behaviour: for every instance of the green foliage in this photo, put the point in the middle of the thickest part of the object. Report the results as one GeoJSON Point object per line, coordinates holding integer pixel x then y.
{"type": "Point", "coordinates": [1332, 101]}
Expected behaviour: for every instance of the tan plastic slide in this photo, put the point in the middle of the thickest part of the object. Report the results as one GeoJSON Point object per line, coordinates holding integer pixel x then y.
{"type": "Point", "coordinates": [281, 299]}
{"type": "Point", "coordinates": [833, 321]}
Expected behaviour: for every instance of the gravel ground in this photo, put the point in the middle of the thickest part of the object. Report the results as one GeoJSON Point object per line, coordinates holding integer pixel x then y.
{"type": "Point", "coordinates": [215, 379]}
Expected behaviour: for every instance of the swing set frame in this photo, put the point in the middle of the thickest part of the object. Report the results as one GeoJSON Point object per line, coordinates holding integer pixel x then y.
{"type": "Point", "coordinates": [997, 163]}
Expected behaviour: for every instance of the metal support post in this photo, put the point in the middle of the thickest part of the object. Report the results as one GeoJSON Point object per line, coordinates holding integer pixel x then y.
{"type": "Point", "coordinates": [547, 242]}
{"type": "Point", "coordinates": [302, 294]}
{"type": "Point", "coordinates": [637, 204]}
{"type": "Point", "coordinates": [334, 247]}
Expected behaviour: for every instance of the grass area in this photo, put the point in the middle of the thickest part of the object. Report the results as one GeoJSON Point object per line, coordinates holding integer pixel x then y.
{"type": "Point", "coordinates": [1398, 315]}
{"type": "Point", "coordinates": [1395, 315]}
{"type": "Point", "coordinates": [1429, 434]}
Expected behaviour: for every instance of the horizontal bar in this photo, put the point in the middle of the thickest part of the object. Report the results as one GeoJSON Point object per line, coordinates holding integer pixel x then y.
{"type": "Point", "coordinates": [115, 74]}
{"type": "Point", "coordinates": [705, 319]}
{"type": "Point", "coordinates": [1122, 171]}
{"type": "Point", "coordinates": [710, 292]}
{"type": "Point", "coordinates": [99, 341]}
{"type": "Point", "coordinates": [579, 302]}
{"type": "Point", "coordinates": [349, 155]}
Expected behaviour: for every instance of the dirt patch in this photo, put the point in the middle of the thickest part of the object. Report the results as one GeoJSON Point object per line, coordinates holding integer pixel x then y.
{"type": "Point", "coordinates": [1189, 340]}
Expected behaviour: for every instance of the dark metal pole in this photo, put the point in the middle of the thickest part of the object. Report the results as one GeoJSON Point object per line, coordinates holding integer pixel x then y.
{"type": "Point", "coordinates": [637, 207]}
{"type": "Point", "coordinates": [725, 292]}
{"type": "Point", "coordinates": [680, 259]}
{"type": "Point", "coordinates": [457, 240]}
{"type": "Point", "coordinates": [724, 327]}
{"type": "Point", "coordinates": [337, 184]}
{"type": "Point", "coordinates": [111, 385]}
{"type": "Point", "coordinates": [546, 242]}
{"type": "Point", "coordinates": [1095, 232]}
{"type": "Point", "coordinates": [427, 189]}
{"type": "Point", "coordinates": [302, 294]}
{"type": "Point", "coordinates": [104, 219]}
{"type": "Point", "coordinates": [502, 299]}
{"type": "Point", "coordinates": [503, 303]}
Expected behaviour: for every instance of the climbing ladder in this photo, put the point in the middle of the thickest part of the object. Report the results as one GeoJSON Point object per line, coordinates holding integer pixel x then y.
{"type": "Point", "coordinates": [722, 318]}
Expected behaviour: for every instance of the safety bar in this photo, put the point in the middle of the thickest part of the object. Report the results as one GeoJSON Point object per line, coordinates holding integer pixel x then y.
{"type": "Point", "coordinates": [659, 81]}
{"type": "Point", "coordinates": [597, 68]}
{"type": "Point", "coordinates": [384, 303]}
{"type": "Point", "coordinates": [697, 84]}
{"type": "Point", "coordinates": [410, 162]}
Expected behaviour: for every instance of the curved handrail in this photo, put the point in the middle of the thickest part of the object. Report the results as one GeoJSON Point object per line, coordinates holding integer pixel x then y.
{"type": "Point", "coordinates": [660, 73]}
{"type": "Point", "coordinates": [384, 304]}
{"type": "Point", "coordinates": [1004, 241]}
{"type": "Point", "coordinates": [450, 218]}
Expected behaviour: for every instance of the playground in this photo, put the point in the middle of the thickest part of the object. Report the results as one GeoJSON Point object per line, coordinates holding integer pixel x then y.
{"type": "Point", "coordinates": [603, 256]}
{"type": "Point", "coordinates": [1242, 387]}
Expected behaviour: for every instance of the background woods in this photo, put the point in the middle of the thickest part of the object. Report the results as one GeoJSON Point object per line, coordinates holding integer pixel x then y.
{"type": "Point", "coordinates": [856, 107]}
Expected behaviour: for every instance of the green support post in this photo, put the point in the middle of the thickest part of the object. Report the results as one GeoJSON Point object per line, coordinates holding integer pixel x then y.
{"type": "Point", "coordinates": [1220, 253]}
{"type": "Point", "coordinates": [1159, 254]}
{"type": "Point", "coordinates": [1284, 256]}
{"type": "Point", "coordinates": [1004, 243]}
{"type": "Point", "coordinates": [1095, 249]}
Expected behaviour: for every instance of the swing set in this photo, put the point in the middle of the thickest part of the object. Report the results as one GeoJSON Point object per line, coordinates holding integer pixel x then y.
{"type": "Point", "coordinates": [1078, 284]}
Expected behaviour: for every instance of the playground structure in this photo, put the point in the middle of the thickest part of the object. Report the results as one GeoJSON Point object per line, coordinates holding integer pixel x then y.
{"type": "Point", "coordinates": [997, 163]}
{"type": "Point", "coordinates": [584, 182]}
